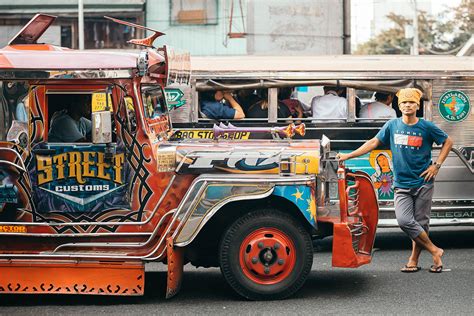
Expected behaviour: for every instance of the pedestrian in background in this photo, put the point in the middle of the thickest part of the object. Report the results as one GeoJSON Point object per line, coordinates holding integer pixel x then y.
{"type": "Point", "coordinates": [411, 139]}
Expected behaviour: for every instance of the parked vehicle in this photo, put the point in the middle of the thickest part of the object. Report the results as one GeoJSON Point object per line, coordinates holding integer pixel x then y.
{"type": "Point", "coordinates": [448, 88]}
{"type": "Point", "coordinates": [93, 187]}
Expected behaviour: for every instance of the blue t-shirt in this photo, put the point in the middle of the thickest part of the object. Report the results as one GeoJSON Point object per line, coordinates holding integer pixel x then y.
{"type": "Point", "coordinates": [217, 110]}
{"type": "Point", "coordinates": [411, 149]}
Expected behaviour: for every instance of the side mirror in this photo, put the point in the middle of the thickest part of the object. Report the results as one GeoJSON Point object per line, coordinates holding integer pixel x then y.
{"type": "Point", "coordinates": [101, 127]}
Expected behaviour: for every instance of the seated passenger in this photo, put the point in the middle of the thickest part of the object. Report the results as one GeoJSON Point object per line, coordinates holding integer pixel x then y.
{"type": "Point", "coordinates": [330, 107]}
{"type": "Point", "coordinates": [295, 107]}
{"type": "Point", "coordinates": [70, 125]}
{"type": "Point", "coordinates": [260, 109]}
{"type": "Point", "coordinates": [246, 98]}
{"type": "Point", "coordinates": [380, 109]}
{"type": "Point", "coordinates": [214, 107]}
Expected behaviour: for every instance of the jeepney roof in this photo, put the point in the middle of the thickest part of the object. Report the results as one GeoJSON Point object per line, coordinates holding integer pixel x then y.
{"type": "Point", "coordinates": [48, 57]}
{"type": "Point", "coordinates": [340, 63]}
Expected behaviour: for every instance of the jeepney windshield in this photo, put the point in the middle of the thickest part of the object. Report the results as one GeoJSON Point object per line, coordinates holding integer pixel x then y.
{"type": "Point", "coordinates": [153, 101]}
{"type": "Point", "coordinates": [14, 112]}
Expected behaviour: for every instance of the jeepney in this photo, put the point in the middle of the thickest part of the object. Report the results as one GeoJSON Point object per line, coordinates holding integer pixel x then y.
{"type": "Point", "coordinates": [85, 217]}
{"type": "Point", "coordinates": [447, 83]}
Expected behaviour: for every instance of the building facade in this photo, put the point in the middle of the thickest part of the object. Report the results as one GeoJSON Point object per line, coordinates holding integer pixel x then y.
{"type": "Point", "coordinates": [98, 32]}
{"type": "Point", "coordinates": [257, 27]}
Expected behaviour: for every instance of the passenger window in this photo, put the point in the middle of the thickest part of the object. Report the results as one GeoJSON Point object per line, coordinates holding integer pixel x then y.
{"type": "Point", "coordinates": [375, 106]}
{"type": "Point", "coordinates": [14, 111]}
{"type": "Point", "coordinates": [69, 117]}
{"type": "Point", "coordinates": [329, 105]}
{"type": "Point", "coordinates": [154, 102]}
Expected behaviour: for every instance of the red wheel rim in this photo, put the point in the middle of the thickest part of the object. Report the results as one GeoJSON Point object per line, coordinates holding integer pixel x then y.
{"type": "Point", "coordinates": [267, 256]}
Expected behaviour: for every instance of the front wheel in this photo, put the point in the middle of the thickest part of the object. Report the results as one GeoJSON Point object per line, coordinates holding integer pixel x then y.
{"type": "Point", "coordinates": [266, 255]}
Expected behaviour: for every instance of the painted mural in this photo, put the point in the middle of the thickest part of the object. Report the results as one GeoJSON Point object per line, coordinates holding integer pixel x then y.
{"type": "Point", "coordinates": [378, 164]}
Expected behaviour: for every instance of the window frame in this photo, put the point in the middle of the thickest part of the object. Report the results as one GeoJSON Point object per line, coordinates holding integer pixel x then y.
{"type": "Point", "coordinates": [175, 22]}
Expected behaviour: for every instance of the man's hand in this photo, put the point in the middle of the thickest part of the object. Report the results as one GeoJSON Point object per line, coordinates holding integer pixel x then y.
{"type": "Point", "coordinates": [430, 173]}
{"type": "Point", "coordinates": [228, 96]}
{"type": "Point", "coordinates": [343, 157]}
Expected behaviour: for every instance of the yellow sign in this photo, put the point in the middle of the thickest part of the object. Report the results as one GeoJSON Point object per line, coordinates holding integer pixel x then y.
{"type": "Point", "coordinates": [129, 103]}
{"type": "Point", "coordinates": [209, 134]}
{"type": "Point", "coordinates": [99, 102]}
{"type": "Point", "coordinates": [12, 229]}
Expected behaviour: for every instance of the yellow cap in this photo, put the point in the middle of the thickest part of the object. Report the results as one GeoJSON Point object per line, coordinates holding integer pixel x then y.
{"type": "Point", "coordinates": [409, 95]}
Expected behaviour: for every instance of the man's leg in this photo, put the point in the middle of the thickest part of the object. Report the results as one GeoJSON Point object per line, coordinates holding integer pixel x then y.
{"type": "Point", "coordinates": [422, 213]}
{"type": "Point", "coordinates": [415, 253]}
{"type": "Point", "coordinates": [404, 211]}
{"type": "Point", "coordinates": [423, 201]}
{"type": "Point", "coordinates": [424, 241]}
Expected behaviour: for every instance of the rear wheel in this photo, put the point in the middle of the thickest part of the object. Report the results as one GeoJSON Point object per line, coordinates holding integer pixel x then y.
{"type": "Point", "coordinates": [266, 255]}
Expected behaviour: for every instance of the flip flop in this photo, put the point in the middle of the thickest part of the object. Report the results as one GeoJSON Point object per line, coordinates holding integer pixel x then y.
{"type": "Point", "coordinates": [410, 269]}
{"type": "Point", "coordinates": [436, 269]}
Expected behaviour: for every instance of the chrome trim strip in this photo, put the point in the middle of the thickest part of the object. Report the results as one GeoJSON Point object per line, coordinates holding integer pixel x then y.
{"type": "Point", "coordinates": [433, 222]}
{"type": "Point", "coordinates": [33, 74]}
{"type": "Point", "coordinates": [437, 208]}
{"type": "Point", "coordinates": [118, 245]}
{"type": "Point", "coordinates": [211, 212]}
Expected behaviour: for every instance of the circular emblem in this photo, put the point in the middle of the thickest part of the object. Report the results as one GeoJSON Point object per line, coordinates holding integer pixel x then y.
{"type": "Point", "coordinates": [454, 106]}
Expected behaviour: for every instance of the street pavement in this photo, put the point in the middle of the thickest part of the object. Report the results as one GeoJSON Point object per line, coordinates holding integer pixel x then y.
{"type": "Point", "coordinates": [378, 288]}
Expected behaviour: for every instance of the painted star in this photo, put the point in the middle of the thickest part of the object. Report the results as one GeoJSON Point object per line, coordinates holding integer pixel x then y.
{"type": "Point", "coordinates": [298, 195]}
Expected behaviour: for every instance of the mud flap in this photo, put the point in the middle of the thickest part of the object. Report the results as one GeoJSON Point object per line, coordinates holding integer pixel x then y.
{"type": "Point", "coordinates": [343, 253]}
{"type": "Point", "coordinates": [354, 235]}
{"type": "Point", "coordinates": [175, 268]}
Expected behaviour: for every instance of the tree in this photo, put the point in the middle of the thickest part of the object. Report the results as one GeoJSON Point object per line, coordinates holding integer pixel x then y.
{"type": "Point", "coordinates": [449, 31]}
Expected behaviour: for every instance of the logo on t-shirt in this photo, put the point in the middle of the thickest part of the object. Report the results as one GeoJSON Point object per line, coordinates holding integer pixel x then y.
{"type": "Point", "coordinates": [413, 141]}
{"type": "Point", "coordinates": [454, 106]}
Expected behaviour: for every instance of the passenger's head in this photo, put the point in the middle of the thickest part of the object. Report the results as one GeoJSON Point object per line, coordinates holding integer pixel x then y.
{"type": "Point", "coordinates": [79, 106]}
{"type": "Point", "coordinates": [339, 91]}
{"type": "Point", "coordinates": [285, 93]}
{"type": "Point", "coordinates": [244, 93]}
{"type": "Point", "coordinates": [263, 93]}
{"type": "Point", "coordinates": [210, 96]}
{"type": "Point", "coordinates": [384, 97]}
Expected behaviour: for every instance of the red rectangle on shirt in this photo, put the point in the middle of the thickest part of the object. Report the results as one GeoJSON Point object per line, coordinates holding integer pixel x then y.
{"type": "Point", "coordinates": [415, 141]}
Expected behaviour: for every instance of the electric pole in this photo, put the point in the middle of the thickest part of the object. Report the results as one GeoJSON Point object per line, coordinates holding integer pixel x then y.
{"type": "Point", "coordinates": [81, 23]}
{"type": "Point", "coordinates": [415, 29]}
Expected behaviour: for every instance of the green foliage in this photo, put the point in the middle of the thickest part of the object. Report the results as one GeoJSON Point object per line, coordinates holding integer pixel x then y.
{"type": "Point", "coordinates": [449, 31]}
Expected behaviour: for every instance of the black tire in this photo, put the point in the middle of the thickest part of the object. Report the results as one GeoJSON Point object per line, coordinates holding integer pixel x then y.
{"type": "Point", "coordinates": [239, 272]}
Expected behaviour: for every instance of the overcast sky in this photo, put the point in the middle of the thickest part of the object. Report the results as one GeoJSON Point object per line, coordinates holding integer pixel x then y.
{"type": "Point", "coordinates": [362, 15]}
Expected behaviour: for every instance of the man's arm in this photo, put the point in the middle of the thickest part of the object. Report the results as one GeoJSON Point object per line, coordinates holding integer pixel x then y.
{"type": "Point", "coordinates": [365, 148]}
{"type": "Point", "coordinates": [239, 112]}
{"type": "Point", "coordinates": [433, 170]}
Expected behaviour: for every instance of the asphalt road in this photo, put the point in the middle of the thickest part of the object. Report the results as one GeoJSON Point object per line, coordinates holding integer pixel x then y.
{"type": "Point", "coordinates": [378, 288]}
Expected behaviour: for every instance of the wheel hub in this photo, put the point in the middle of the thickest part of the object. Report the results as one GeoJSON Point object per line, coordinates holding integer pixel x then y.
{"type": "Point", "coordinates": [267, 256]}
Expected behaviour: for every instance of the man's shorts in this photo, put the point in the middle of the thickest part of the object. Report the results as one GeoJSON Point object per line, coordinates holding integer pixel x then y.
{"type": "Point", "coordinates": [413, 209]}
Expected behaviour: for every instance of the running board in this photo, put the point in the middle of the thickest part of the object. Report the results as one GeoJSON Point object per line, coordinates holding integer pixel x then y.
{"type": "Point", "coordinates": [93, 278]}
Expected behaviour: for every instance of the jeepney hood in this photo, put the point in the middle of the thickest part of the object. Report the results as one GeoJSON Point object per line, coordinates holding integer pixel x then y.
{"type": "Point", "coordinates": [250, 156]}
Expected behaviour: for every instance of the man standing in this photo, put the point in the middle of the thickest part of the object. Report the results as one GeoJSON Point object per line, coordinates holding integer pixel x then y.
{"type": "Point", "coordinates": [410, 140]}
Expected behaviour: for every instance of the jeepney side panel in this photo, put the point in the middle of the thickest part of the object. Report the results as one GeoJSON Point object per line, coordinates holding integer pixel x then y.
{"type": "Point", "coordinates": [453, 113]}
{"type": "Point", "coordinates": [144, 184]}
